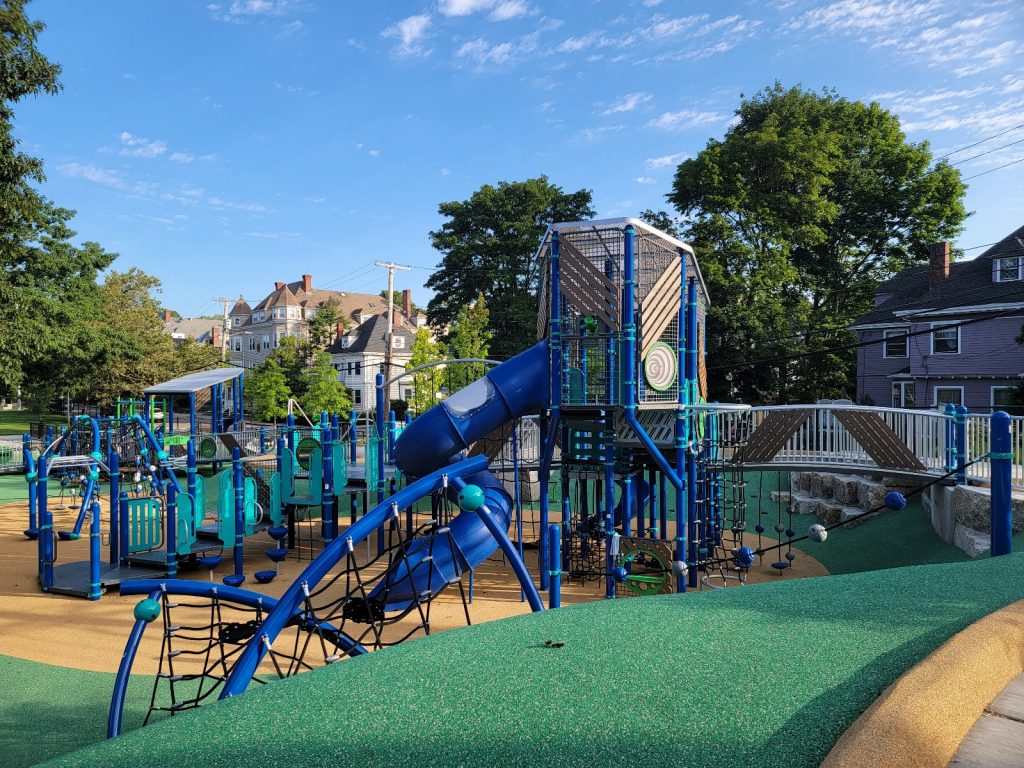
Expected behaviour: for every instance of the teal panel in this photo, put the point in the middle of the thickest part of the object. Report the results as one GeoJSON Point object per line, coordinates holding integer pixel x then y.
{"type": "Point", "coordinates": [574, 377]}
{"type": "Point", "coordinates": [275, 512]}
{"type": "Point", "coordinates": [226, 515]}
{"type": "Point", "coordinates": [287, 475]}
{"type": "Point", "coordinates": [340, 470]}
{"type": "Point", "coordinates": [249, 505]}
{"type": "Point", "coordinates": [145, 525]}
{"type": "Point", "coordinates": [316, 476]}
{"type": "Point", "coordinates": [186, 524]}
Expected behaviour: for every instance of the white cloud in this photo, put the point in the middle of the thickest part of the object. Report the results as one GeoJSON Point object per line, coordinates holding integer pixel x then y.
{"type": "Point", "coordinates": [628, 103]}
{"type": "Point", "coordinates": [867, 15]}
{"type": "Point", "coordinates": [92, 173]}
{"type": "Point", "coordinates": [590, 134]}
{"type": "Point", "coordinates": [645, 180]}
{"type": "Point", "coordinates": [136, 146]}
{"type": "Point", "coordinates": [671, 27]}
{"type": "Point", "coordinates": [445, 172]}
{"type": "Point", "coordinates": [685, 118]}
{"type": "Point", "coordinates": [652, 3]}
{"type": "Point", "coordinates": [509, 9]}
{"type": "Point", "coordinates": [409, 32]}
{"type": "Point", "coordinates": [240, 11]}
{"type": "Point", "coordinates": [374, 153]}
{"type": "Point", "coordinates": [655, 163]}
{"type": "Point", "coordinates": [1012, 84]}
{"type": "Point", "coordinates": [291, 28]}
{"type": "Point", "coordinates": [482, 52]}
{"type": "Point", "coordinates": [463, 7]}
{"type": "Point", "coordinates": [220, 203]}
{"type": "Point", "coordinates": [182, 157]}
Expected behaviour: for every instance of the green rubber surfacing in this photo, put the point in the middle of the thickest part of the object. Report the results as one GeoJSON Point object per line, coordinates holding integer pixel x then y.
{"type": "Point", "coordinates": [766, 675]}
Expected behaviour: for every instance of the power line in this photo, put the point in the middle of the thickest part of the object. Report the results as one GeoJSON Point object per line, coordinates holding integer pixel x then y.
{"type": "Point", "coordinates": [969, 146]}
{"type": "Point", "coordinates": [997, 168]}
{"type": "Point", "coordinates": [987, 152]}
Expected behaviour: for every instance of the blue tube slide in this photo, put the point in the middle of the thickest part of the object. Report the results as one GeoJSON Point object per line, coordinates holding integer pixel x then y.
{"type": "Point", "coordinates": [515, 388]}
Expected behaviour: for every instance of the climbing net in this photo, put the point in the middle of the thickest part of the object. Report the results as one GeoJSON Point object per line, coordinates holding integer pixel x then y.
{"type": "Point", "coordinates": [375, 597]}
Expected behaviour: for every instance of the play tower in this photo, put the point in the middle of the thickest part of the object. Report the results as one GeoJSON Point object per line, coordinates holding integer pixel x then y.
{"type": "Point", "coordinates": [622, 305]}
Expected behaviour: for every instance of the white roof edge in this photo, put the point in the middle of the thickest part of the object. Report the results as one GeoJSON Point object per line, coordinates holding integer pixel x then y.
{"type": "Point", "coordinates": [194, 382]}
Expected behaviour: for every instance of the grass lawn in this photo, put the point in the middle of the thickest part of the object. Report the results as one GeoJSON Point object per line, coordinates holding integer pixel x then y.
{"type": "Point", "coordinates": [767, 675]}
{"type": "Point", "coordinates": [16, 422]}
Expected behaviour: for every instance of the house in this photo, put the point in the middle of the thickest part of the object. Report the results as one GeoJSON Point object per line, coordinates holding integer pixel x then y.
{"type": "Point", "coordinates": [286, 311]}
{"type": "Point", "coordinates": [204, 330]}
{"type": "Point", "coordinates": [359, 355]}
{"type": "Point", "coordinates": [946, 333]}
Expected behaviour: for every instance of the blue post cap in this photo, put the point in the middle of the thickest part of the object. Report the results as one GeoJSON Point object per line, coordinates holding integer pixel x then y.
{"type": "Point", "coordinates": [895, 500]}
{"type": "Point", "coordinates": [471, 498]}
{"type": "Point", "coordinates": [96, 456]}
{"type": "Point", "coordinates": [83, 417]}
{"type": "Point", "coordinates": [745, 557]}
{"type": "Point", "coordinates": [147, 610]}
{"type": "Point", "coordinates": [94, 474]}
{"type": "Point", "coordinates": [161, 455]}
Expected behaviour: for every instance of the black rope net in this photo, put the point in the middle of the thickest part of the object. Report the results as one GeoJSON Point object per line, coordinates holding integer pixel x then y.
{"type": "Point", "coordinates": [350, 612]}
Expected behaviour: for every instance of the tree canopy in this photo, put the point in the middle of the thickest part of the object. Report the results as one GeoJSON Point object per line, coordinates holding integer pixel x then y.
{"type": "Point", "coordinates": [488, 243]}
{"type": "Point", "coordinates": [796, 215]}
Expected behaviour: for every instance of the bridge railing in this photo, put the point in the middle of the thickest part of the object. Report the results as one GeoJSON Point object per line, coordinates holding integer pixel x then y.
{"type": "Point", "coordinates": [978, 435]}
{"type": "Point", "coordinates": [822, 438]}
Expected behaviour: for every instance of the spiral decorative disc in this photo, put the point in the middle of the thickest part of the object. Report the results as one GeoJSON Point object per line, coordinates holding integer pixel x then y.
{"type": "Point", "coordinates": [660, 367]}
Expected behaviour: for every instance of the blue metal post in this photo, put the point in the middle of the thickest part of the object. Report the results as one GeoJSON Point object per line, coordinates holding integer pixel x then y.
{"type": "Point", "coordinates": [329, 516]}
{"type": "Point", "coordinates": [392, 434]}
{"type": "Point", "coordinates": [46, 545]}
{"type": "Point", "coordinates": [94, 551]}
{"type": "Point", "coordinates": [693, 519]}
{"type": "Point", "coordinates": [681, 430]}
{"type": "Point", "coordinates": [263, 438]}
{"type": "Point", "coordinates": [516, 498]}
{"type": "Point", "coordinates": [123, 534]}
{"type": "Point", "coordinates": [950, 412]}
{"type": "Point", "coordinates": [555, 565]}
{"type": "Point", "coordinates": [554, 426]}
{"type": "Point", "coordinates": [961, 445]}
{"type": "Point", "coordinates": [172, 530]}
{"type": "Point", "coordinates": [170, 414]}
{"type": "Point", "coordinates": [609, 505]}
{"type": "Point", "coordinates": [379, 381]}
{"type": "Point", "coordinates": [1001, 456]}
{"type": "Point", "coordinates": [31, 477]}
{"type": "Point", "coordinates": [241, 401]}
{"type": "Point", "coordinates": [353, 422]}
{"type": "Point", "coordinates": [290, 434]}
{"type": "Point", "coordinates": [115, 494]}
{"type": "Point", "coordinates": [192, 415]}
{"type": "Point", "coordinates": [238, 577]}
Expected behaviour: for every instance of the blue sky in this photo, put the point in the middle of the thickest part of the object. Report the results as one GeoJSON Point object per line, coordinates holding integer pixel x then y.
{"type": "Point", "coordinates": [224, 145]}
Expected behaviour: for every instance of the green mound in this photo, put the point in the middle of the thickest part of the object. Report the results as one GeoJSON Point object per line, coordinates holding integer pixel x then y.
{"type": "Point", "coordinates": [766, 675]}
{"type": "Point", "coordinates": [47, 711]}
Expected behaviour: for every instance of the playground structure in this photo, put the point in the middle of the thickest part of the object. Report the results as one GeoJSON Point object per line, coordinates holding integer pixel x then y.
{"type": "Point", "coordinates": [640, 482]}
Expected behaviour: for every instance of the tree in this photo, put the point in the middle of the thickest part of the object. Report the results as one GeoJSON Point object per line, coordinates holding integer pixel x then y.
{"type": "Point", "coordinates": [489, 242]}
{"type": "Point", "coordinates": [397, 297]}
{"type": "Point", "coordinates": [47, 284]}
{"type": "Point", "coordinates": [469, 338]}
{"type": "Point", "coordinates": [267, 391]}
{"type": "Point", "coordinates": [323, 390]}
{"type": "Point", "coordinates": [291, 355]}
{"type": "Point", "coordinates": [323, 326]}
{"type": "Point", "coordinates": [424, 384]}
{"type": "Point", "coordinates": [663, 221]}
{"type": "Point", "coordinates": [193, 356]}
{"type": "Point", "coordinates": [796, 215]}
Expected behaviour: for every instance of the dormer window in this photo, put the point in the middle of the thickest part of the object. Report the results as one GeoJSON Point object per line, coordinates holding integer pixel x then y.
{"type": "Point", "coordinates": [238, 321]}
{"type": "Point", "coordinates": [345, 341]}
{"type": "Point", "coordinates": [398, 342]}
{"type": "Point", "coordinates": [1008, 269]}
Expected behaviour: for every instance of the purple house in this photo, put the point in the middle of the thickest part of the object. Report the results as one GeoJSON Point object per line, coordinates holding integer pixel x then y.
{"type": "Point", "coordinates": [946, 333]}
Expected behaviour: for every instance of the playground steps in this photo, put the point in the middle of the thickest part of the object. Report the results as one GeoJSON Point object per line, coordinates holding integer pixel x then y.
{"type": "Point", "coordinates": [209, 532]}
{"type": "Point", "coordinates": [73, 578]}
{"type": "Point", "coordinates": [157, 558]}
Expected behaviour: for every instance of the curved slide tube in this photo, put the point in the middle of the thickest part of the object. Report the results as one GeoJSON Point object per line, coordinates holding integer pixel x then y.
{"type": "Point", "coordinates": [515, 388]}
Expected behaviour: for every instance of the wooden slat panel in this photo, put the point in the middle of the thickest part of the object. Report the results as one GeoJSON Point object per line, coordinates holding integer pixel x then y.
{"type": "Point", "coordinates": [882, 444]}
{"type": "Point", "coordinates": [659, 307]}
{"type": "Point", "coordinates": [587, 287]}
{"type": "Point", "coordinates": [771, 434]}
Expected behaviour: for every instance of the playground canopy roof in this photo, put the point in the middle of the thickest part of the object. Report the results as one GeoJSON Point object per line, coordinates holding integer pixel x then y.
{"type": "Point", "coordinates": [194, 382]}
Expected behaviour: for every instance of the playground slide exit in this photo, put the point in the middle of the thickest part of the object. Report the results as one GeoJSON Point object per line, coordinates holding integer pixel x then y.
{"type": "Point", "coordinates": [518, 387]}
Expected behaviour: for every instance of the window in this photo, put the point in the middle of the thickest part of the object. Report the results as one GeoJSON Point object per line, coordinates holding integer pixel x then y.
{"type": "Point", "coordinates": [945, 339]}
{"type": "Point", "coordinates": [266, 342]}
{"type": "Point", "coordinates": [238, 345]}
{"type": "Point", "coordinates": [398, 342]}
{"type": "Point", "coordinates": [252, 343]}
{"type": "Point", "coordinates": [281, 312]}
{"type": "Point", "coordinates": [291, 313]}
{"type": "Point", "coordinates": [903, 394]}
{"type": "Point", "coordinates": [943, 395]}
{"type": "Point", "coordinates": [1002, 398]}
{"type": "Point", "coordinates": [1008, 269]}
{"type": "Point", "coordinates": [357, 397]}
{"type": "Point", "coordinates": [408, 395]}
{"type": "Point", "coordinates": [310, 314]}
{"type": "Point", "coordinates": [345, 341]}
{"type": "Point", "coordinates": [895, 344]}
{"type": "Point", "coordinates": [238, 321]}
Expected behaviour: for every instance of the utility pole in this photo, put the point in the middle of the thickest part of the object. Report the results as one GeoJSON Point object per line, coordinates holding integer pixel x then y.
{"type": "Point", "coordinates": [391, 267]}
{"type": "Point", "coordinates": [224, 335]}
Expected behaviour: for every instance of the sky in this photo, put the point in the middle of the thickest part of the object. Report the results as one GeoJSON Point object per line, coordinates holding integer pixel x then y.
{"type": "Point", "coordinates": [224, 145]}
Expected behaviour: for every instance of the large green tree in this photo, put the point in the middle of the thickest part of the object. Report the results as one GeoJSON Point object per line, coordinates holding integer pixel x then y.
{"type": "Point", "coordinates": [323, 326]}
{"type": "Point", "coordinates": [425, 383]}
{"type": "Point", "coordinates": [267, 391]}
{"type": "Point", "coordinates": [469, 337]}
{"type": "Point", "coordinates": [47, 284]}
{"type": "Point", "coordinates": [323, 390]}
{"type": "Point", "coordinates": [796, 215]}
{"type": "Point", "coordinates": [488, 243]}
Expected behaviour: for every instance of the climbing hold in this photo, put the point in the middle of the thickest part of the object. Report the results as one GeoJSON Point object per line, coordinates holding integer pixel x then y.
{"type": "Point", "coordinates": [679, 569]}
{"type": "Point", "coordinates": [619, 574]}
{"type": "Point", "coordinates": [745, 557]}
{"type": "Point", "coordinates": [779, 527]}
{"type": "Point", "coordinates": [148, 609]}
{"type": "Point", "coordinates": [471, 498]}
{"type": "Point", "coordinates": [791, 556]}
{"type": "Point", "coordinates": [790, 533]}
{"type": "Point", "coordinates": [817, 532]}
{"type": "Point", "coordinates": [759, 528]}
{"type": "Point", "coordinates": [895, 500]}
{"type": "Point", "coordinates": [162, 455]}
{"type": "Point", "coordinates": [265, 577]}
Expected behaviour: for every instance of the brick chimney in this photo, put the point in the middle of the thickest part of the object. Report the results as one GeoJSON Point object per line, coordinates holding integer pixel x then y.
{"type": "Point", "coordinates": [216, 337]}
{"type": "Point", "coordinates": [167, 316]}
{"type": "Point", "coordinates": [307, 283]}
{"type": "Point", "coordinates": [339, 330]}
{"type": "Point", "coordinates": [938, 262]}
{"type": "Point", "coordinates": [407, 302]}
{"type": "Point", "coordinates": [396, 319]}
{"type": "Point", "coordinates": [278, 285]}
